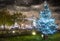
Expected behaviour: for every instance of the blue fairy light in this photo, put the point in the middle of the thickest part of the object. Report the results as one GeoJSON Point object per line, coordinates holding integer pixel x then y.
{"type": "Point", "coordinates": [45, 23]}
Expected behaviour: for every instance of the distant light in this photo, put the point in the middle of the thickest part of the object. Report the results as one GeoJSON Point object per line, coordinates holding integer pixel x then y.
{"type": "Point", "coordinates": [2, 26]}
{"type": "Point", "coordinates": [26, 25]}
{"type": "Point", "coordinates": [36, 6]}
{"type": "Point", "coordinates": [42, 35]}
{"type": "Point", "coordinates": [22, 24]}
{"type": "Point", "coordinates": [13, 31]}
{"type": "Point", "coordinates": [33, 33]}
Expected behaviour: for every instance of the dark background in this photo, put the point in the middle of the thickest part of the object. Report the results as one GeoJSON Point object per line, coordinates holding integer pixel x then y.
{"type": "Point", "coordinates": [28, 2]}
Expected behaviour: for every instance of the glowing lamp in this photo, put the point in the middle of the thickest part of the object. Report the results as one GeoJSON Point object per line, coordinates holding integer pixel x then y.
{"type": "Point", "coordinates": [33, 33]}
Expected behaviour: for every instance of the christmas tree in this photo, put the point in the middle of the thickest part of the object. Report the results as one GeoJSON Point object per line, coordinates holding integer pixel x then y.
{"type": "Point", "coordinates": [45, 23]}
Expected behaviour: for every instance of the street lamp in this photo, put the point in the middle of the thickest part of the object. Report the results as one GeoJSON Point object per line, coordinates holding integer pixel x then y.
{"type": "Point", "coordinates": [33, 33]}
{"type": "Point", "coordinates": [13, 31]}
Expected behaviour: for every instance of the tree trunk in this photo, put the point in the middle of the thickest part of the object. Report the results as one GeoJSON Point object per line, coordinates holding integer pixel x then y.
{"type": "Point", "coordinates": [4, 26]}
{"type": "Point", "coordinates": [45, 37]}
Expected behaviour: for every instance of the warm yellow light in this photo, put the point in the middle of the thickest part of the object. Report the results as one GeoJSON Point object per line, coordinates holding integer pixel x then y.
{"type": "Point", "coordinates": [13, 31]}
{"type": "Point", "coordinates": [22, 25]}
{"type": "Point", "coordinates": [42, 35]}
{"type": "Point", "coordinates": [33, 33]}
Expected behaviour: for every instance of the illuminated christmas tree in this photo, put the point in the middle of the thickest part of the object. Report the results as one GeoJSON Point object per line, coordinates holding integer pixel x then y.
{"type": "Point", "coordinates": [45, 23]}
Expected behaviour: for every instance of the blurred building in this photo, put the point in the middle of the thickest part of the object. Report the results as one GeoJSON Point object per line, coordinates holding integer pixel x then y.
{"type": "Point", "coordinates": [33, 10]}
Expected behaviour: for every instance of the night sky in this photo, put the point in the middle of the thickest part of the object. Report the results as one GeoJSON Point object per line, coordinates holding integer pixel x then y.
{"type": "Point", "coordinates": [27, 2]}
